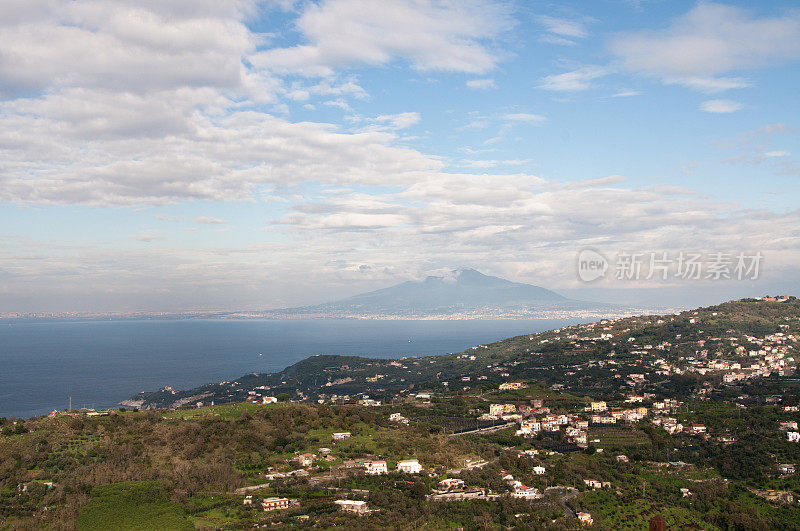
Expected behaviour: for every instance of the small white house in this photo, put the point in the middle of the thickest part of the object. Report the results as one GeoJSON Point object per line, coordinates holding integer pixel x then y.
{"type": "Point", "coordinates": [376, 468]}
{"type": "Point", "coordinates": [409, 466]}
{"type": "Point", "coordinates": [341, 435]}
{"type": "Point", "coordinates": [269, 400]}
{"type": "Point", "coordinates": [539, 470]}
{"type": "Point", "coordinates": [397, 417]}
{"type": "Point", "coordinates": [593, 483]}
{"type": "Point", "coordinates": [273, 504]}
{"type": "Point", "coordinates": [793, 436]}
{"type": "Point", "coordinates": [526, 492]}
{"type": "Point", "coordinates": [353, 506]}
{"type": "Point", "coordinates": [451, 483]}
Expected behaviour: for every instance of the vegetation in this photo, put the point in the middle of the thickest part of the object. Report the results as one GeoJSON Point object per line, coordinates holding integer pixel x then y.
{"type": "Point", "coordinates": [134, 505]}
{"type": "Point", "coordinates": [192, 467]}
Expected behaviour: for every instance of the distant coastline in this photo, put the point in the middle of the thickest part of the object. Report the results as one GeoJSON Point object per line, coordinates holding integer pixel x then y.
{"type": "Point", "coordinates": [465, 315]}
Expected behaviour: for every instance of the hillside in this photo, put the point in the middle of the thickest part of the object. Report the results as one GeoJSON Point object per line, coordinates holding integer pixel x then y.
{"type": "Point", "coordinates": [572, 357]}
{"type": "Point", "coordinates": [689, 417]}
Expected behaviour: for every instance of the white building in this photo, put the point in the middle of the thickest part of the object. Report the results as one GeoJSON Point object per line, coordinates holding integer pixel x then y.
{"type": "Point", "coordinates": [529, 427]}
{"type": "Point", "coordinates": [598, 406]}
{"type": "Point", "coordinates": [340, 436]}
{"type": "Point", "coordinates": [593, 483]}
{"type": "Point", "coordinates": [451, 483]}
{"type": "Point", "coordinates": [273, 504]}
{"type": "Point", "coordinates": [793, 436]}
{"type": "Point", "coordinates": [376, 468]}
{"type": "Point", "coordinates": [409, 466]}
{"type": "Point", "coordinates": [539, 470]}
{"type": "Point", "coordinates": [526, 492]}
{"type": "Point", "coordinates": [353, 506]}
{"type": "Point", "coordinates": [269, 400]}
{"type": "Point", "coordinates": [499, 410]}
{"type": "Point", "coordinates": [397, 417]}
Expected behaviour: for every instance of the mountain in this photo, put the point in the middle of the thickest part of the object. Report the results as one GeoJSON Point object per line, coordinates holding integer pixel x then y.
{"type": "Point", "coordinates": [460, 291]}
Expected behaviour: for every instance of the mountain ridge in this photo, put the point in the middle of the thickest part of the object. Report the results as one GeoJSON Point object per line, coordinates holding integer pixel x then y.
{"type": "Point", "coordinates": [460, 290]}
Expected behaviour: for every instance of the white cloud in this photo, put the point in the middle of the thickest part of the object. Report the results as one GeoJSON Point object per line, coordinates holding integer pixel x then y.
{"type": "Point", "coordinates": [561, 30]}
{"type": "Point", "coordinates": [493, 163]}
{"type": "Point", "coordinates": [526, 118]}
{"type": "Point", "coordinates": [755, 138]}
{"type": "Point", "coordinates": [345, 221]}
{"type": "Point", "coordinates": [626, 94]}
{"type": "Point", "coordinates": [125, 45]}
{"type": "Point", "coordinates": [206, 220]}
{"type": "Point", "coordinates": [755, 146]}
{"type": "Point", "coordinates": [339, 103]}
{"type": "Point", "coordinates": [401, 120]}
{"type": "Point", "coordinates": [576, 80]}
{"type": "Point", "coordinates": [147, 237]}
{"type": "Point", "coordinates": [302, 92]}
{"type": "Point", "coordinates": [709, 41]}
{"type": "Point", "coordinates": [482, 84]}
{"type": "Point", "coordinates": [430, 34]}
{"type": "Point", "coordinates": [709, 85]}
{"type": "Point", "coordinates": [721, 106]}
{"type": "Point", "coordinates": [214, 158]}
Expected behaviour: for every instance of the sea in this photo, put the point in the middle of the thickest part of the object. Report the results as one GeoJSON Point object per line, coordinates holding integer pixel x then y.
{"type": "Point", "coordinates": [100, 363]}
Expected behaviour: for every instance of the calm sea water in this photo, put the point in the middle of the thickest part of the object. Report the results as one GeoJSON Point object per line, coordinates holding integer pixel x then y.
{"type": "Point", "coordinates": [99, 363]}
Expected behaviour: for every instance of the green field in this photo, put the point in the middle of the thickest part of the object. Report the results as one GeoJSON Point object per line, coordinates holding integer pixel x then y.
{"type": "Point", "coordinates": [617, 437]}
{"type": "Point", "coordinates": [132, 505]}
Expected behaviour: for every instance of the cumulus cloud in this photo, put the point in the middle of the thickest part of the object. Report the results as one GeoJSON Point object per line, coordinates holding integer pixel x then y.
{"type": "Point", "coordinates": [430, 34]}
{"type": "Point", "coordinates": [193, 156]}
{"type": "Point", "coordinates": [700, 47]}
{"type": "Point", "coordinates": [125, 45]}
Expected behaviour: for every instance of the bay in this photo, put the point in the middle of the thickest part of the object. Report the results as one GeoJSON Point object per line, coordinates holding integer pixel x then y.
{"type": "Point", "coordinates": [99, 363]}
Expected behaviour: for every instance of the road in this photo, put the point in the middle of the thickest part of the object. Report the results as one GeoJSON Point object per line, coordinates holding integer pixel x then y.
{"type": "Point", "coordinates": [485, 430]}
{"type": "Point", "coordinates": [571, 493]}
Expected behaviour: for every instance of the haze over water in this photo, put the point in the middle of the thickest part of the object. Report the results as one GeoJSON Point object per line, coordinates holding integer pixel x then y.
{"type": "Point", "coordinates": [99, 363]}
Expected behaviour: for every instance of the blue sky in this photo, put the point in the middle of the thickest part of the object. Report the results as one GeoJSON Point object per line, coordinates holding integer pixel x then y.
{"type": "Point", "coordinates": [196, 154]}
